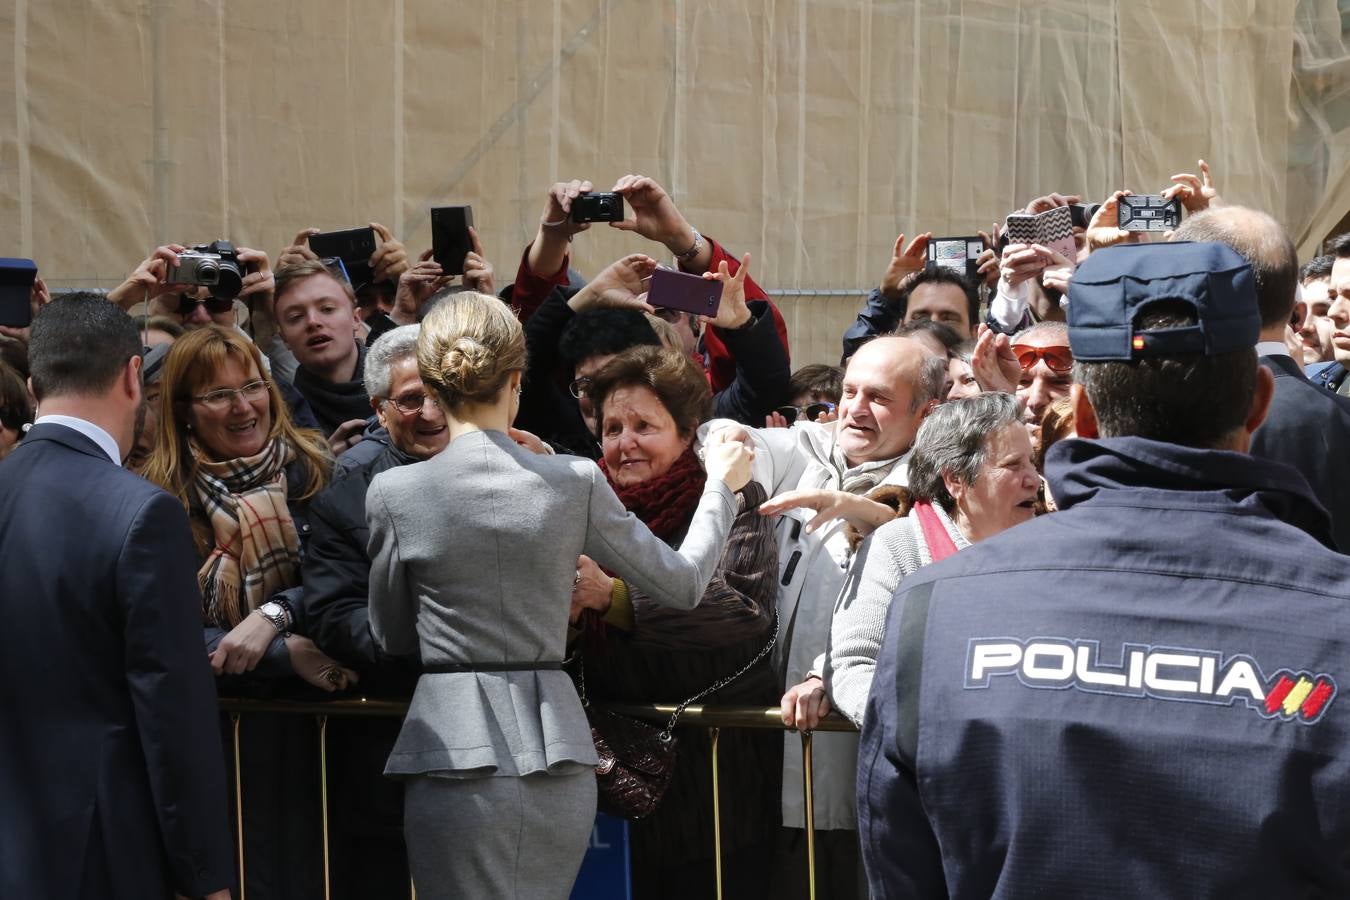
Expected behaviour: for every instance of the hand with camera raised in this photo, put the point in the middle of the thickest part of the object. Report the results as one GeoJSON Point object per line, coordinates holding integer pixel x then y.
{"type": "Point", "coordinates": [657, 218]}
{"type": "Point", "coordinates": [733, 311]}
{"type": "Point", "coordinates": [1104, 230]}
{"type": "Point", "coordinates": [905, 261]}
{"type": "Point", "coordinates": [478, 272]}
{"type": "Point", "coordinates": [548, 250]}
{"type": "Point", "coordinates": [299, 250]}
{"type": "Point", "coordinates": [38, 297]}
{"type": "Point", "coordinates": [1022, 262]}
{"type": "Point", "coordinates": [618, 286]}
{"type": "Point", "coordinates": [149, 279]}
{"type": "Point", "coordinates": [415, 287]}
{"type": "Point", "coordinates": [390, 259]}
{"type": "Point", "coordinates": [1196, 194]}
{"type": "Point", "coordinates": [258, 280]}
{"type": "Point", "coordinates": [987, 264]}
{"type": "Point", "coordinates": [1050, 201]}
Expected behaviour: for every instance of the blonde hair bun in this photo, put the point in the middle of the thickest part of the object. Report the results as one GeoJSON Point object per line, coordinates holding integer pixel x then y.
{"type": "Point", "coordinates": [468, 347]}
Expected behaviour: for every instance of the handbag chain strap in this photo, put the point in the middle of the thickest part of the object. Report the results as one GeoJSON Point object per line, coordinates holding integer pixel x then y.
{"type": "Point", "coordinates": [666, 733]}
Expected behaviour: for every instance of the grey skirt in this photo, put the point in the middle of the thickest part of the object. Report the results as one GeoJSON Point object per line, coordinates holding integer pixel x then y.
{"type": "Point", "coordinates": [498, 838]}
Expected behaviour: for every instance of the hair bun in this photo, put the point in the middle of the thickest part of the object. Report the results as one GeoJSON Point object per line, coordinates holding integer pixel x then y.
{"type": "Point", "coordinates": [467, 366]}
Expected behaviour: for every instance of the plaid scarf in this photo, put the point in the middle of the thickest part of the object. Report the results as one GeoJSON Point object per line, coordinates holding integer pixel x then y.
{"type": "Point", "coordinates": [257, 550]}
{"type": "Point", "coordinates": [856, 480]}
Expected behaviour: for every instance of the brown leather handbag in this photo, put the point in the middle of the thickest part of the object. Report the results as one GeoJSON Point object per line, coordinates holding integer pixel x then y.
{"type": "Point", "coordinates": [637, 760]}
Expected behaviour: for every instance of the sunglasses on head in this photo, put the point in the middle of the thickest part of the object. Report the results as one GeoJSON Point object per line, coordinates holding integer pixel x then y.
{"type": "Point", "coordinates": [1057, 359]}
{"type": "Point", "coordinates": [810, 412]}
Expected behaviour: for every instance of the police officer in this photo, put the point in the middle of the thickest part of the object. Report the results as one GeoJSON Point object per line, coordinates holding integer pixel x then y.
{"type": "Point", "coordinates": [1136, 695]}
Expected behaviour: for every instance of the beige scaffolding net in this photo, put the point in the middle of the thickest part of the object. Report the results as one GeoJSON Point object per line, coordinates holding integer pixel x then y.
{"type": "Point", "coordinates": [808, 133]}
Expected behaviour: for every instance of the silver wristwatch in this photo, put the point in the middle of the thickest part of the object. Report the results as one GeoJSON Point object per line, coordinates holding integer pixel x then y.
{"type": "Point", "coordinates": [274, 613]}
{"type": "Point", "coordinates": [689, 254]}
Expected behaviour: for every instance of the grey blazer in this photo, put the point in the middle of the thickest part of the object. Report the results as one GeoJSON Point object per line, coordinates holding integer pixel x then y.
{"type": "Point", "coordinates": [473, 554]}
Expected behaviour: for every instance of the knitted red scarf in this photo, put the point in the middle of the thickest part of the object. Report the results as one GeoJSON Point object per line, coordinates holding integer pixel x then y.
{"type": "Point", "coordinates": [665, 503]}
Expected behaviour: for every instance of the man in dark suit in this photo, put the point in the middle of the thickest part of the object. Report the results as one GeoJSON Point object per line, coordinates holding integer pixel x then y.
{"type": "Point", "coordinates": [1308, 427]}
{"type": "Point", "coordinates": [112, 783]}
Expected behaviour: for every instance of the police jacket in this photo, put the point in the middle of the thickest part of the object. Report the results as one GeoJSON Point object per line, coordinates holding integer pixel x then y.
{"type": "Point", "coordinates": [1134, 696]}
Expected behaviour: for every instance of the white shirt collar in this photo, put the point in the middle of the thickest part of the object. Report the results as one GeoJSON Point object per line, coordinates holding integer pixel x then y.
{"type": "Point", "coordinates": [1272, 348]}
{"type": "Point", "coordinates": [88, 429]}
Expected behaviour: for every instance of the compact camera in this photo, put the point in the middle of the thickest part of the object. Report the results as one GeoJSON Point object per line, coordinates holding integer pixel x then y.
{"type": "Point", "coordinates": [603, 206]}
{"type": "Point", "coordinates": [215, 265]}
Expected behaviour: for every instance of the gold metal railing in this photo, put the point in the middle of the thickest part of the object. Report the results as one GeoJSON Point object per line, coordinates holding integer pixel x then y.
{"type": "Point", "coordinates": [714, 718]}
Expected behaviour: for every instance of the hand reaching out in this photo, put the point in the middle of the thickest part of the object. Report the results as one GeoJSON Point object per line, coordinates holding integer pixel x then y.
{"type": "Point", "coordinates": [416, 286]}
{"type": "Point", "coordinates": [905, 261]}
{"type": "Point", "coordinates": [1196, 194]}
{"type": "Point", "coordinates": [619, 285]}
{"type": "Point", "coordinates": [994, 364]}
{"type": "Point", "coordinates": [863, 514]}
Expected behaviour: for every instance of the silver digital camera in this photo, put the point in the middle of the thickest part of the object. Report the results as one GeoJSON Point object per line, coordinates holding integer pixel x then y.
{"type": "Point", "coordinates": [215, 265]}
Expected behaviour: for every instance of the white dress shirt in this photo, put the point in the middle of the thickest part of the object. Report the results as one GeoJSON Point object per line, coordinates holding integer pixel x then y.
{"type": "Point", "coordinates": [1272, 348]}
{"type": "Point", "coordinates": [89, 430]}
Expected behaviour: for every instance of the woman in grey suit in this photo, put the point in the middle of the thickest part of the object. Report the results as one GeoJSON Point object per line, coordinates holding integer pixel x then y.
{"type": "Point", "coordinates": [474, 554]}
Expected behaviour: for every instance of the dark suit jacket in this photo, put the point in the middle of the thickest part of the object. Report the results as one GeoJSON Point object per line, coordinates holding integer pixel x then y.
{"type": "Point", "coordinates": [112, 782]}
{"type": "Point", "coordinates": [1309, 428]}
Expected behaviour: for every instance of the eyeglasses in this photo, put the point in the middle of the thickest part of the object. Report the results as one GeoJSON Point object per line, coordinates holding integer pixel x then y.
{"type": "Point", "coordinates": [579, 387]}
{"type": "Point", "coordinates": [1057, 359]}
{"type": "Point", "coordinates": [412, 404]}
{"type": "Point", "coordinates": [223, 399]}
{"type": "Point", "coordinates": [810, 412]}
{"type": "Point", "coordinates": [214, 305]}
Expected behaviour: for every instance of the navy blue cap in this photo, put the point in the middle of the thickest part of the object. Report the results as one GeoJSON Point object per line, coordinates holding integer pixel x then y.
{"type": "Point", "coordinates": [1111, 288]}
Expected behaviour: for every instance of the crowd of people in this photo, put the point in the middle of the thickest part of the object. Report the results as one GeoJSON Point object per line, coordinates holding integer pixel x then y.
{"type": "Point", "coordinates": [508, 502]}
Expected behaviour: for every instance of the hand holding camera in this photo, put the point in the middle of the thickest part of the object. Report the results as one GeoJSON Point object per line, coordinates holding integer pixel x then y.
{"type": "Point", "coordinates": [390, 259]}
{"type": "Point", "coordinates": [478, 272]}
{"type": "Point", "coordinates": [657, 218]}
{"type": "Point", "coordinates": [147, 280]}
{"type": "Point", "coordinates": [1022, 262]}
{"type": "Point", "coordinates": [1104, 230]}
{"type": "Point", "coordinates": [299, 250]}
{"type": "Point", "coordinates": [733, 312]}
{"type": "Point", "coordinates": [415, 287]}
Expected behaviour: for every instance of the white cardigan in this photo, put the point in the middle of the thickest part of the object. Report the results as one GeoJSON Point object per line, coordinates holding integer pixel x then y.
{"type": "Point", "coordinates": [889, 554]}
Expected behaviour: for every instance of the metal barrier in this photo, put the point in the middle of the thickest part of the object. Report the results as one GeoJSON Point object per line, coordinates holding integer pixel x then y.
{"type": "Point", "coordinates": [714, 718]}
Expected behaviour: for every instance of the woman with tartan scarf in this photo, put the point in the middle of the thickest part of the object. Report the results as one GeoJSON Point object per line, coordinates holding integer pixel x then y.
{"type": "Point", "coordinates": [649, 403]}
{"type": "Point", "coordinates": [226, 447]}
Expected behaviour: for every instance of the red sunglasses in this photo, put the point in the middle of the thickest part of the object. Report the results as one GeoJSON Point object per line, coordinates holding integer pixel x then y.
{"type": "Point", "coordinates": [1057, 359]}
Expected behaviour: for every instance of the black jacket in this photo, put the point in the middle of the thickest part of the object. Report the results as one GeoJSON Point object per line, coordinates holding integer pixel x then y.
{"type": "Point", "coordinates": [1309, 428]}
{"type": "Point", "coordinates": [336, 594]}
{"type": "Point", "coordinates": [111, 778]}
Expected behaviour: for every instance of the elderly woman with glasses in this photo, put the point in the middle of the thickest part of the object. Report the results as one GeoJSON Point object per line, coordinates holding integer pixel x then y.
{"type": "Point", "coordinates": [971, 476]}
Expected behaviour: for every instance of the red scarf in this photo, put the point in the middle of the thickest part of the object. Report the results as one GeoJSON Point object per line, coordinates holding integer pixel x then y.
{"type": "Point", "coordinates": [665, 503]}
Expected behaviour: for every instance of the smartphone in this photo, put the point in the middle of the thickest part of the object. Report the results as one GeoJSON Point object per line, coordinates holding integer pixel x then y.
{"type": "Point", "coordinates": [1148, 212]}
{"type": "Point", "coordinates": [690, 293]}
{"type": "Point", "coordinates": [598, 207]}
{"type": "Point", "coordinates": [16, 289]}
{"type": "Point", "coordinates": [450, 241]}
{"type": "Point", "coordinates": [354, 247]}
{"type": "Point", "coordinates": [956, 253]}
{"type": "Point", "coordinates": [1052, 228]}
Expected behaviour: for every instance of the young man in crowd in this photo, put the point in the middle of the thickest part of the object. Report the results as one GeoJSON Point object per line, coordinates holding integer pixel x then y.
{"type": "Point", "coordinates": [110, 762]}
{"type": "Point", "coordinates": [1116, 694]}
{"type": "Point", "coordinates": [1332, 375]}
{"type": "Point", "coordinates": [1307, 428]}
{"type": "Point", "coordinates": [910, 293]}
{"type": "Point", "coordinates": [819, 471]}
{"type": "Point", "coordinates": [1315, 290]}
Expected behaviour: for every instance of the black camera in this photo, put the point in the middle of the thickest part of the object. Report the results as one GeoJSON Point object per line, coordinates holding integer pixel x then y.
{"type": "Point", "coordinates": [598, 207]}
{"type": "Point", "coordinates": [215, 265]}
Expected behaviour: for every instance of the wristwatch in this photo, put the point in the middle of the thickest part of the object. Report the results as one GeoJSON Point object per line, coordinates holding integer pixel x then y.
{"type": "Point", "coordinates": [689, 254]}
{"type": "Point", "coordinates": [274, 613]}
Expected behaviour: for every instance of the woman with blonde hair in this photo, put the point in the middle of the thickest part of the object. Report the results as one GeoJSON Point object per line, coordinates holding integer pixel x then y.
{"type": "Point", "coordinates": [474, 557]}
